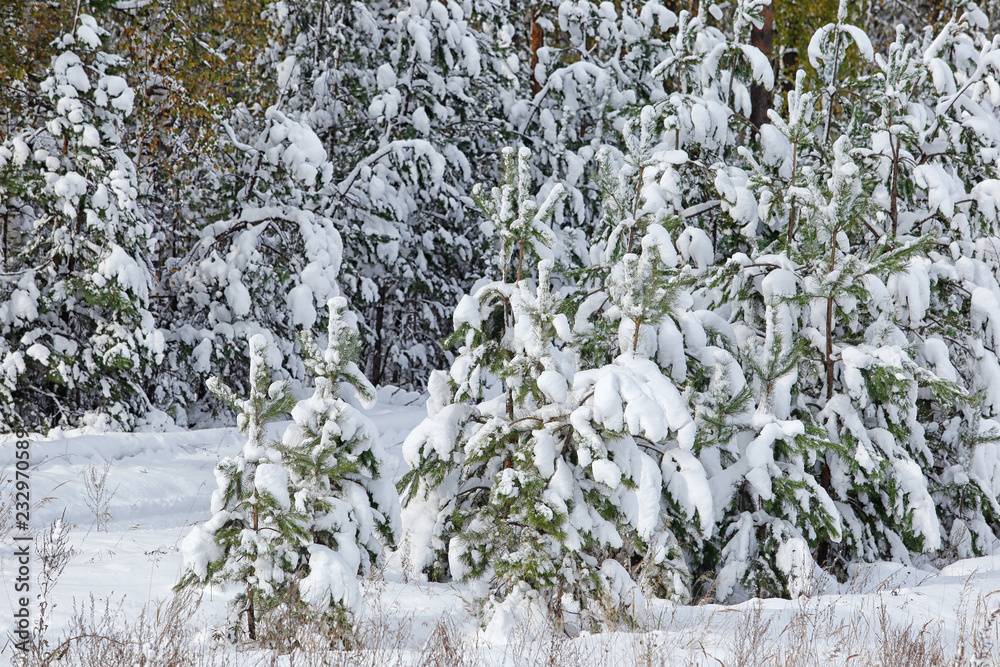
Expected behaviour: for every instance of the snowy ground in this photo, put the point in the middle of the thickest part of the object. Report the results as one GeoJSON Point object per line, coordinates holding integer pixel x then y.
{"type": "Point", "coordinates": [161, 486]}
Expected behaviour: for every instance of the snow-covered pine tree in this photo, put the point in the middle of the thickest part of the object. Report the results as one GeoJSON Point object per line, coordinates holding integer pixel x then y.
{"type": "Point", "coordinates": [754, 468]}
{"type": "Point", "coordinates": [484, 323]}
{"type": "Point", "coordinates": [865, 381]}
{"type": "Point", "coordinates": [267, 263]}
{"type": "Point", "coordinates": [716, 470]}
{"type": "Point", "coordinates": [856, 206]}
{"type": "Point", "coordinates": [256, 531]}
{"type": "Point", "coordinates": [17, 182]}
{"type": "Point", "coordinates": [335, 461]}
{"type": "Point", "coordinates": [929, 140]}
{"type": "Point", "coordinates": [634, 293]}
{"type": "Point", "coordinates": [81, 340]}
{"type": "Point", "coordinates": [708, 75]}
{"type": "Point", "coordinates": [479, 494]}
{"type": "Point", "coordinates": [528, 473]}
{"type": "Point", "coordinates": [387, 112]}
{"type": "Point", "coordinates": [440, 74]}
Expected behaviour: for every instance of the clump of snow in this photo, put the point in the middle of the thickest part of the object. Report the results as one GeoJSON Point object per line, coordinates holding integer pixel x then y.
{"type": "Point", "coordinates": [332, 578]}
{"type": "Point", "coordinates": [272, 479]}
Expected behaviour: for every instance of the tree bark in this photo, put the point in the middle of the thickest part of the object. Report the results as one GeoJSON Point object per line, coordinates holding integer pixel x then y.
{"type": "Point", "coordinates": [761, 99]}
{"type": "Point", "coordinates": [378, 355]}
{"type": "Point", "coordinates": [536, 43]}
{"type": "Point", "coordinates": [251, 621]}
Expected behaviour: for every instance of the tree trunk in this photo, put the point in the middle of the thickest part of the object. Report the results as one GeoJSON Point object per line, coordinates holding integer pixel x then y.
{"type": "Point", "coordinates": [762, 99]}
{"type": "Point", "coordinates": [536, 43]}
{"type": "Point", "coordinates": [823, 550]}
{"type": "Point", "coordinates": [378, 355]}
{"type": "Point", "coordinates": [829, 362]}
{"type": "Point", "coordinates": [894, 190]}
{"type": "Point", "coordinates": [251, 620]}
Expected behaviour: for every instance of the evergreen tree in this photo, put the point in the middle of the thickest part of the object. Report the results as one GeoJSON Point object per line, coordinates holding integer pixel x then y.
{"type": "Point", "coordinates": [335, 461]}
{"type": "Point", "coordinates": [528, 472]}
{"type": "Point", "coordinates": [81, 342]}
{"type": "Point", "coordinates": [485, 322]}
{"type": "Point", "coordinates": [265, 265]}
{"type": "Point", "coordinates": [256, 531]}
{"type": "Point", "coordinates": [740, 469]}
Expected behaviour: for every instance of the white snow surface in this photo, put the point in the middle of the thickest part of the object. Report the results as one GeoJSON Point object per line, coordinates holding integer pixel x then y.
{"type": "Point", "coordinates": [163, 483]}
{"type": "Point", "coordinates": [272, 478]}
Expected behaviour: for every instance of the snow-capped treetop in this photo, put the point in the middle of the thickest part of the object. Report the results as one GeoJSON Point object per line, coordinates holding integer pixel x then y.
{"type": "Point", "coordinates": [336, 363]}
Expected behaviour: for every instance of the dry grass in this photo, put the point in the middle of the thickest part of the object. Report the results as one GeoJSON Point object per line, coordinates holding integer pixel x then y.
{"type": "Point", "coordinates": [818, 632]}
{"type": "Point", "coordinates": [816, 635]}
{"type": "Point", "coordinates": [161, 637]}
{"type": "Point", "coordinates": [98, 495]}
{"type": "Point", "coordinates": [164, 637]}
{"type": "Point", "coordinates": [6, 505]}
{"type": "Point", "coordinates": [52, 555]}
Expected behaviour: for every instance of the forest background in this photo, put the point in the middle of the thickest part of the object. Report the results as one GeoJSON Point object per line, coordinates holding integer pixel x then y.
{"type": "Point", "coordinates": [718, 281]}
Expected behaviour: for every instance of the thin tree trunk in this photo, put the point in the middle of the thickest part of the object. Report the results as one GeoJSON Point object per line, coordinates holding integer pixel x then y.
{"type": "Point", "coordinates": [829, 348]}
{"type": "Point", "coordinates": [831, 86]}
{"type": "Point", "coordinates": [829, 318]}
{"type": "Point", "coordinates": [791, 184]}
{"type": "Point", "coordinates": [377, 355]}
{"type": "Point", "coordinates": [520, 259]}
{"type": "Point", "coordinates": [6, 249]}
{"type": "Point", "coordinates": [894, 208]}
{"type": "Point", "coordinates": [762, 99]}
{"type": "Point", "coordinates": [80, 215]}
{"type": "Point", "coordinates": [251, 620]}
{"type": "Point", "coordinates": [823, 549]}
{"type": "Point", "coordinates": [536, 43]}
